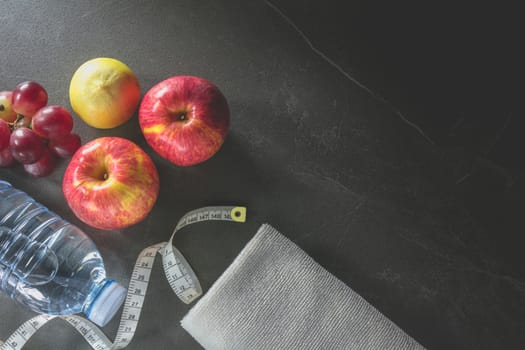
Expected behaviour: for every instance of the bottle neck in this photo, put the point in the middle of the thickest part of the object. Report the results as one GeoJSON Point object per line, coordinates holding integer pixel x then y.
{"type": "Point", "coordinates": [105, 303]}
{"type": "Point", "coordinates": [93, 294]}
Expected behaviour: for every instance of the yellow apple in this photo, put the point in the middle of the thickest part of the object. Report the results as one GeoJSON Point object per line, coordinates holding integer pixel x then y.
{"type": "Point", "coordinates": [104, 92]}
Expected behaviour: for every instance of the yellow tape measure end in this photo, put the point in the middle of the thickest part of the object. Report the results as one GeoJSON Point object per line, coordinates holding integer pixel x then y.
{"type": "Point", "coordinates": [238, 214]}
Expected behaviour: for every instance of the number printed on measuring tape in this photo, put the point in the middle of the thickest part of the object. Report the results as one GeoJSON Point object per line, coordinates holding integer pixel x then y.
{"type": "Point", "coordinates": [178, 272]}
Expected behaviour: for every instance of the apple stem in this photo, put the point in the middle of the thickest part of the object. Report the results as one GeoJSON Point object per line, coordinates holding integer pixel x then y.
{"type": "Point", "coordinates": [2, 108]}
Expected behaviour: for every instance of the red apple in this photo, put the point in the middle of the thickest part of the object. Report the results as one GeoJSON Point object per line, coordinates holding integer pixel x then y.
{"type": "Point", "coordinates": [111, 183]}
{"type": "Point", "coordinates": [185, 119]}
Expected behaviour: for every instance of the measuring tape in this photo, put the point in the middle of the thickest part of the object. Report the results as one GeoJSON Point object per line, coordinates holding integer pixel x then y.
{"type": "Point", "coordinates": [178, 272]}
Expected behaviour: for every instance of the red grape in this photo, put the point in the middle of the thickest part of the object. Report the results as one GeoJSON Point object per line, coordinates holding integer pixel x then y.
{"type": "Point", "coordinates": [33, 133]}
{"type": "Point", "coordinates": [6, 158]}
{"type": "Point", "coordinates": [52, 122]}
{"type": "Point", "coordinates": [28, 98]}
{"type": "Point", "coordinates": [6, 112]}
{"type": "Point", "coordinates": [66, 146]}
{"type": "Point", "coordinates": [5, 134]}
{"type": "Point", "coordinates": [42, 167]}
{"type": "Point", "coordinates": [26, 146]}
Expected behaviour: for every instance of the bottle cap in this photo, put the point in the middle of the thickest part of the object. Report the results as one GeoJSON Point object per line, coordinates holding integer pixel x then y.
{"type": "Point", "coordinates": [106, 303]}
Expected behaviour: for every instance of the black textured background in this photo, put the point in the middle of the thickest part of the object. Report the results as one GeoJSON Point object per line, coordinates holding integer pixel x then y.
{"type": "Point", "coordinates": [408, 188]}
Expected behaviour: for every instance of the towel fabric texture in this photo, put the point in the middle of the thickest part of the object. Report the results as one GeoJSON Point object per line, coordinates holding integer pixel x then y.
{"type": "Point", "coordinates": [275, 296]}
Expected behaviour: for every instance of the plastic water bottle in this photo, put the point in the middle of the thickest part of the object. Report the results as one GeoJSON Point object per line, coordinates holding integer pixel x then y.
{"type": "Point", "coordinates": [50, 265]}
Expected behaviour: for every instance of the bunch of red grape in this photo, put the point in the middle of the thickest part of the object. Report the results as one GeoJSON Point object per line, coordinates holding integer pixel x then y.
{"type": "Point", "coordinates": [32, 133]}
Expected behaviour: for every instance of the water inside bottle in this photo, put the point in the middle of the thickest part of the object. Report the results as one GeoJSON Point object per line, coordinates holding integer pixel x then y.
{"type": "Point", "coordinates": [30, 262]}
{"type": "Point", "coordinates": [62, 272]}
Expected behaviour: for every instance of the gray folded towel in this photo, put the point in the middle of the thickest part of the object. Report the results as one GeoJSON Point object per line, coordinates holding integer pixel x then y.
{"type": "Point", "coordinates": [274, 296]}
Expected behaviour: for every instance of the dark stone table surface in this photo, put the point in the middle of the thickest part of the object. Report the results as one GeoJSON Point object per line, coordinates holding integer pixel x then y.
{"type": "Point", "coordinates": [385, 140]}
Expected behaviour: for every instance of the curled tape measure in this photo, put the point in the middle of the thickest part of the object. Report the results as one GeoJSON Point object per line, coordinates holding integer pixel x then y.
{"type": "Point", "coordinates": [178, 272]}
